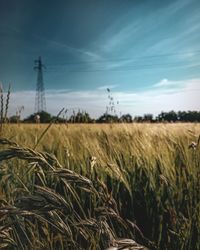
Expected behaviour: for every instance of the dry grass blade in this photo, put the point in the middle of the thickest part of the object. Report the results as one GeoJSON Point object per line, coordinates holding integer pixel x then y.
{"type": "Point", "coordinates": [48, 127]}
{"type": "Point", "coordinates": [72, 210]}
{"type": "Point", "coordinates": [128, 244]}
{"type": "Point", "coordinates": [1, 101]}
{"type": "Point", "coordinates": [4, 141]}
{"type": "Point", "coordinates": [71, 176]}
{"type": "Point", "coordinates": [91, 223]}
{"type": "Point", "coordinates": [24, 154]}
{"type": "Point", "coordinates": [6, 241]}
{"type": "Point", "coordinates": [53, 198]}
{"type": "Point", "coordinates": [7, 103]}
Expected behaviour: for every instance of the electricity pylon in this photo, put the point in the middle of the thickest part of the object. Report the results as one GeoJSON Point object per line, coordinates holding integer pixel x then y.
{"type": "Point", "coordinates": [40, 102]}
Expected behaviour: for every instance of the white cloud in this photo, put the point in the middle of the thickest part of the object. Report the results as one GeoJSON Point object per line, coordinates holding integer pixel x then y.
{"type": "Point", "coordinates": [185, 96]}
{"type": "Point", "coordinates": [120, 36]}
{"type": "Point", "coordinates": [167, 83]}
{"type": "Point", "coordinates": [104, 87]}
{"type": "Point", "coordinates": [181, 84]}
{"type": "Point", "coordinates": [163, 82]}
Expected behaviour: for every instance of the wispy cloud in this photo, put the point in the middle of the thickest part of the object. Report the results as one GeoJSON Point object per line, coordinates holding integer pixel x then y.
{"type": "Point", "coordinates": [163, 82]}
{"type": "Point", "coordinates": [127, 36]}
{"type": "Point", "coordinates": [167, 83]}
{"type": "Point", "coordinates": [177, 5]}
{"type": "Point", "coordinates": [120, 36]}
{"type": "Point", "coordinates": [81, 53]}
{"type": "Point", "coordinates": [110, 86]}
{"type": "Point", "coordinates": [185, 96]}
{"type": "Point", "coordinates": [76, 52]}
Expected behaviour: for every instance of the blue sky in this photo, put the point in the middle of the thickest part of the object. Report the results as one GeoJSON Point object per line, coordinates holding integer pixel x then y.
{"type": "Point", "coordinates": [146, 52]}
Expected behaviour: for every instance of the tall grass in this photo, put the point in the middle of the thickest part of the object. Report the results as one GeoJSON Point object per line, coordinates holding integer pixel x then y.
{"type": "Point", "coordinates": [4, 103]}
{"type": "Point", "coordinates": [136, 181]}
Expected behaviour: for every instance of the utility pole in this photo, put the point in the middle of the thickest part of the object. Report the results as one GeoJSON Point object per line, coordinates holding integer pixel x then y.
{"type": "Point", "coordinates": [40, 102]}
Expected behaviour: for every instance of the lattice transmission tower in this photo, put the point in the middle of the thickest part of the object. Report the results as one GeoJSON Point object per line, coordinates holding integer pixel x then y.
{"type": "Point", "coordinates": [40, 102]}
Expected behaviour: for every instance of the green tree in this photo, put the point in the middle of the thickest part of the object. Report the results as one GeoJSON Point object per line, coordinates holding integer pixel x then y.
{"type": "Point", "coordinates": [107, 118]}
{"type": "Point", "coordinates": [44, 117]}
{"type": "Point", "coordinates": [148, 118]}
{"type": "Point", "coordinates": [80, 117]}
{"type": "Point", "coordinates": [126, 118]}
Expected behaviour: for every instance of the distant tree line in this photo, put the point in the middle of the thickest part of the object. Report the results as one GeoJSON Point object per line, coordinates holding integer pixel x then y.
{"type": "Point", "coordinates": [171, 116]}
{"type": "Point", "coordinates": [84, 117]}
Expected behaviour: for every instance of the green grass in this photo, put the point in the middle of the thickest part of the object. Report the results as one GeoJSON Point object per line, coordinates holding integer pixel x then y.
{"type": "Point", "coordinates": [140, 181]}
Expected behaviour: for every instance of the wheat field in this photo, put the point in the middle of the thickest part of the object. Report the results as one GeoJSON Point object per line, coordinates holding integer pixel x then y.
{"type": "Point", "coordinates": [93, 186]}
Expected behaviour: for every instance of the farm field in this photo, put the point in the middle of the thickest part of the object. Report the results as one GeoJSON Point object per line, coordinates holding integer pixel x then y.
{"type": "Point", "coordinates": [87, 186]}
